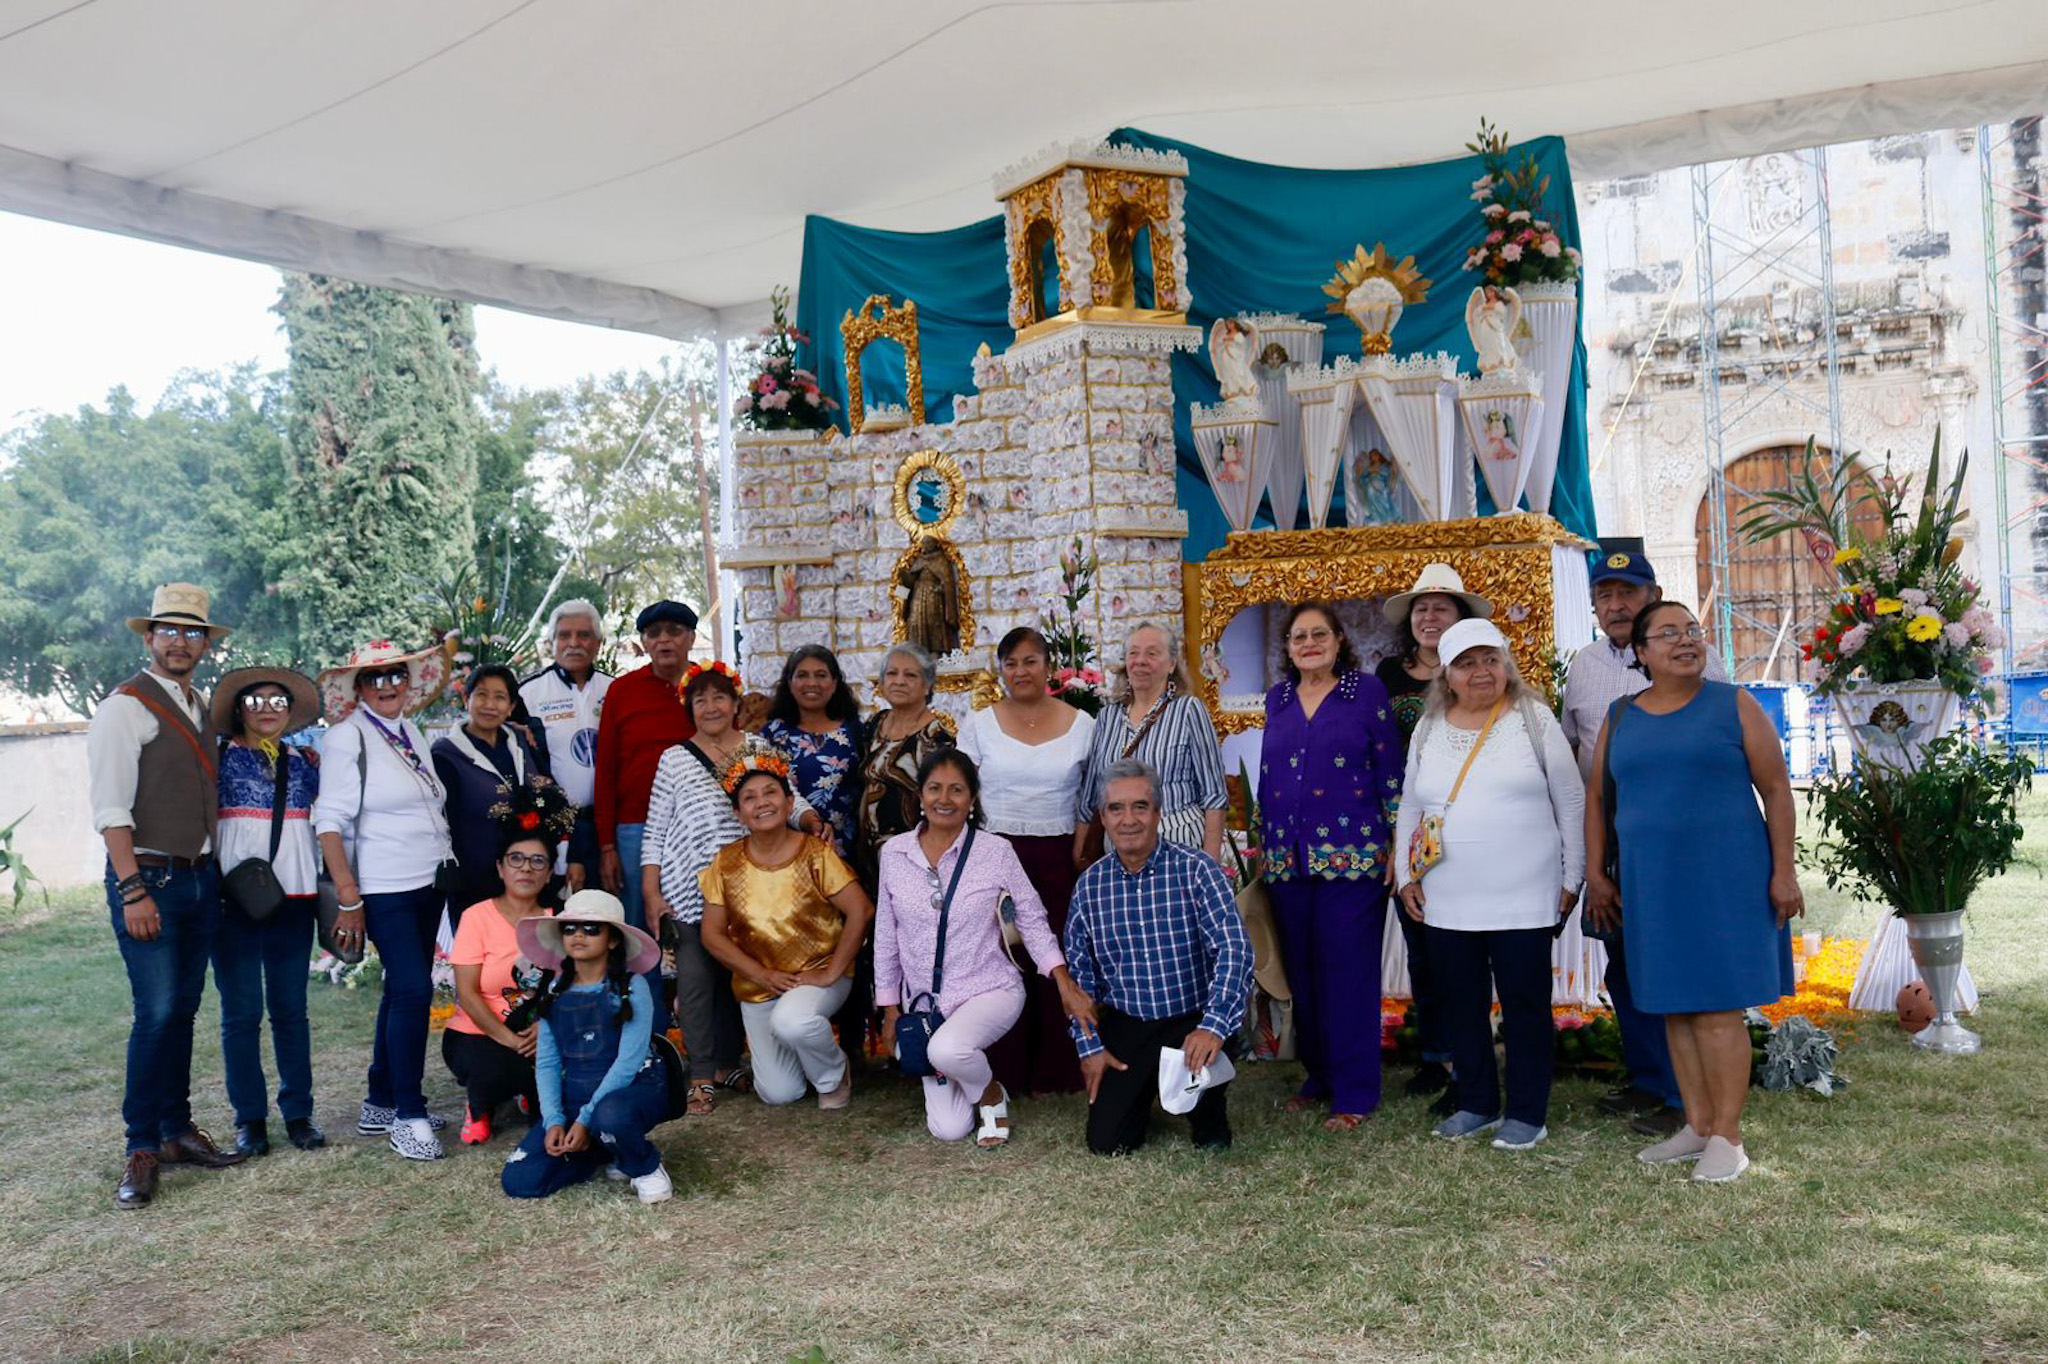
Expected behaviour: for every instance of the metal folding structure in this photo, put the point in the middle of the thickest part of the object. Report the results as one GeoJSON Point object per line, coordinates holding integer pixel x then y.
{"type": "Point", "coordinates": [1765, 278]}
{"type": "Point", "coordinates": [2009, 161]}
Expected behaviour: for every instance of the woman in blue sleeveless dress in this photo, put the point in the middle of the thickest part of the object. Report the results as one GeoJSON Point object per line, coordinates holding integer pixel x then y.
{"type": "Point", "coordinates": [1706, 881]}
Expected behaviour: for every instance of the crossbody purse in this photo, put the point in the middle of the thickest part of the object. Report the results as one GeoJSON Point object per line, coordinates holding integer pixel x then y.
{"type": "Point", "coordinates": [915, 1026]}
{"type": "Point", "coordinates": [1426, 843]}
{"type": "Point", "coordinates": [251, 885]}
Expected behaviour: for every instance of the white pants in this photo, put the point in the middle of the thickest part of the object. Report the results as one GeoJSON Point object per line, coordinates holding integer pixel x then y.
{"type": "Point", "coordinates": [959, 1052]}
{"type": "Point", "coordinates": [793, 1043]}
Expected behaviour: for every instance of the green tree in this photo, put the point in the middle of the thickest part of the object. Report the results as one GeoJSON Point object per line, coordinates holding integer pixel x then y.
{"type": "Point", "coordinates": [621, 466]}
{"type": "Point", "coordinates": [99, 506]}
{"type": "Point", "coordinates": [383, 425]}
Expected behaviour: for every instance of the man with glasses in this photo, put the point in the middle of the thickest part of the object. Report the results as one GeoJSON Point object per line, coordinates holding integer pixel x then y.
{"type": "Point", "coordinates": [150, 771]}
{"type": "Point", "coordinates": [1623, 583]}
{"type": "Point", "coordinates": [643, 717]}
{"type": "Point", "coordinates": [567, 700]}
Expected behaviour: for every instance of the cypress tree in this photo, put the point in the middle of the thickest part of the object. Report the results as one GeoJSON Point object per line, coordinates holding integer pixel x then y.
{"type": "Point", "coordinates": [383, 421]}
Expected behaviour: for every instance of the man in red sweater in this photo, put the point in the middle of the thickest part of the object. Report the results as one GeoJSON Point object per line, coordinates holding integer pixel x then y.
{"type": "Point", "coordinates": [643, 716]}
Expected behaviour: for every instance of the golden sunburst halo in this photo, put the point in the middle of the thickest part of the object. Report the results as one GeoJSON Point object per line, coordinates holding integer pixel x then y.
{"type": "Point", "coordinates": [1376, 264]}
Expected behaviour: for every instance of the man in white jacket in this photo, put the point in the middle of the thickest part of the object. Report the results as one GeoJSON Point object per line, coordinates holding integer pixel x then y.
{"type": "Point", "coordinates": [565, 699]}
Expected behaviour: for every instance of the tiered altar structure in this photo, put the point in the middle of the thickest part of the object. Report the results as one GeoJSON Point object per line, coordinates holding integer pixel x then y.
{"type": "Point", "coordinates": [948, 534]}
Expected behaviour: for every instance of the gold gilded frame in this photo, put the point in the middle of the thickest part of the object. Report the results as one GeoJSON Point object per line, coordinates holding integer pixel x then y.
{"type": "Point", "coordinates": [872, 320]}
{"type": "Point", "coordinates": [960, 575]}
{"type": "Point", "coordinates": [1506, 559]}
{"type": "Point", "coordinates": [1143, 200]}
{"type": "Point", "coordinates": [949, 472]}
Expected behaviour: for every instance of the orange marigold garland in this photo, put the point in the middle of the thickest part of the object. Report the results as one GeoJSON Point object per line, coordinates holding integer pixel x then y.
{"type": "Point", "coordinates": [755, 757]}
{"type": "Point", "coordinates": [697, 670]}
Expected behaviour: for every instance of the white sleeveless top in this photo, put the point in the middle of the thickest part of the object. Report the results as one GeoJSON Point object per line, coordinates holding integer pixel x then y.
{"type": "Point", "coordinates": [1027, 790]}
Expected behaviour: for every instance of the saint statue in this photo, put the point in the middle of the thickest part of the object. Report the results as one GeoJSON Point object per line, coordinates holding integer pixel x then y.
{"type": "Point", "coordinates": [1231, 344]}
{"type": "Point", "coordinates": [1491, 316]}
{"type": "Point", "coordinates": [931, 608]}
{"type": "Point", "coordinates": [1376, 483]}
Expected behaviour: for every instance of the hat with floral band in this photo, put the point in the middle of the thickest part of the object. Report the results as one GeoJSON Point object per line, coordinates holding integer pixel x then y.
{"type": "Point", "coordinates": [540, 935]}
{"type": "Point", "coordinates": [427, 670]}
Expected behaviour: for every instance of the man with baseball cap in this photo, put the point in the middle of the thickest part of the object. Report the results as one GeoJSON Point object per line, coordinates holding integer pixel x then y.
{"type": "Point", "coordinates": [1623, 583]}
{"type": "Point", "coordinates": [150, 771]}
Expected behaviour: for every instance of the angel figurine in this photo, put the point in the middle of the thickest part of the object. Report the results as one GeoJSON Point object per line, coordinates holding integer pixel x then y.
{"type": "Point", "coordinates": [1491, 316]}
{"type": "Point", "coordinates": [1232, 343]}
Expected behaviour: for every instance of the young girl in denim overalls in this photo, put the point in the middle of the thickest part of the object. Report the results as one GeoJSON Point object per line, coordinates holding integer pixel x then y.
{"type": "Point", "coordinates": [602, 1088]}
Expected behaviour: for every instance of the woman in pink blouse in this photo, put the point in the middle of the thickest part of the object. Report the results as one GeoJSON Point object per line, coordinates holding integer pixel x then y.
{"type": "Point", "coordinates": [981, 993]}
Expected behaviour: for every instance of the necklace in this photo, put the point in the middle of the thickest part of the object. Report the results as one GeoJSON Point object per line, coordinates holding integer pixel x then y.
{"type": "Point", "coordinates": [724, 755]}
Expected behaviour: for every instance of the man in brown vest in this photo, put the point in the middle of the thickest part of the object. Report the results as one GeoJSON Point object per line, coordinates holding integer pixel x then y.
{"type": "Point", "coordinates": [150, 755]}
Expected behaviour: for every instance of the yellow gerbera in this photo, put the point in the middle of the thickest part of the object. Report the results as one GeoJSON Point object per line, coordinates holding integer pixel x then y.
{"type": "Point", "coordinates": [1889, 606]}
{"type": "Point", "coordinates": [1921, 629]}
{"type": "Point", "coordinates": [1847, 556]}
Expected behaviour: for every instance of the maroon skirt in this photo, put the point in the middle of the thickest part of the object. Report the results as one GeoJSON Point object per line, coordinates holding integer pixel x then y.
{"type": "Point", "coordinates": [1037, 1056]}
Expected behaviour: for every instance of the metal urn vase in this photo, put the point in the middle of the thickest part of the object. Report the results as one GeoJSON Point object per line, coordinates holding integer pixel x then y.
{"type": "Point", "coordinates": [1937, 943]}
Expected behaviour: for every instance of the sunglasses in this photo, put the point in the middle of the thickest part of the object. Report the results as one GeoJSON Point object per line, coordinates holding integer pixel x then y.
{"type": "Point", "coordinates": [528, 862]}
{"type": "Point", "coordinates": [194, 633]}
{"type": "Point", "coordinates": [275, 704]}
{"type": "Point", "coordinates": [581, 927]}
{"type": "Point", "coordinates": [392, 679]}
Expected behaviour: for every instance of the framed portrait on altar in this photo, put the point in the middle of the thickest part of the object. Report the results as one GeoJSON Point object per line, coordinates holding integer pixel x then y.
{"type": "Point", "coordinates": [929, 493]}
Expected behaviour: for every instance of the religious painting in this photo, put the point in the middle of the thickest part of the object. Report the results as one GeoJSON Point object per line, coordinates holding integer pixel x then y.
{"type": "Point", "coordinates": [930, 492]}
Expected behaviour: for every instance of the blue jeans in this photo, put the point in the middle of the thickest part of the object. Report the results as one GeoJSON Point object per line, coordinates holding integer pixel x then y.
{"type": "Point", "coordinates": [1645, 1049]}
{"type": "Point", "coordinates": [254, 964]}
{"type": "Point", "coordinates": [402, 927]}
{"type": "Point", "coordinates": [166, 977]}
{"type": "Point", "coordinates": [629, 838]}
{"type": "Point", "coordinates": [618, 1134]}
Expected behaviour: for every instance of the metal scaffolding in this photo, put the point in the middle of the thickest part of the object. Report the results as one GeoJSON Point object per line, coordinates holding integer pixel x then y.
{"type": "Point", "coordinates": [1768, 339]}
{"type": "Point", "coordinates": [2010, 162]}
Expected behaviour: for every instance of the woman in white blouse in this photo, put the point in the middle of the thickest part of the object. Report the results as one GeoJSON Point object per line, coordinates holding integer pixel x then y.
{"type": "Point", "coordinates": [1032, 750]}
{"type": "Point", "coordinates": [1489, 761]}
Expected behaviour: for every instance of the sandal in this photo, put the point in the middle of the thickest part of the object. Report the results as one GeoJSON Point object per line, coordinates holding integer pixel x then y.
{"type": "Point", "coordinates": [1343, 1122]}
{"type": "Point", "coordinates": [995, 1118]}
{"type": "Point", "coordinates": [739, 1080]}
{"type": "Point", "coordinates": [703, 1098]}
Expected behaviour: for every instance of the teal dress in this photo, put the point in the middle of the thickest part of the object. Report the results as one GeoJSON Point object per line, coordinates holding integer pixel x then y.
{"type": "Point", "coordinates": [1695, 861]}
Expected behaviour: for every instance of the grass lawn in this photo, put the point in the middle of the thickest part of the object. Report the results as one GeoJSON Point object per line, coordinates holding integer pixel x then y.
{"type": "Point", "coordinates": [1905, 1218]}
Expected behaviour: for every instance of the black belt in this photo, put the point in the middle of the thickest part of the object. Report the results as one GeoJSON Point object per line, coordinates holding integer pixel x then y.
{"type": "Point", "coordinates": [175, 863]}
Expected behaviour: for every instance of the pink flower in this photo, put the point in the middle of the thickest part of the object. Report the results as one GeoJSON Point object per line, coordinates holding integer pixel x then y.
{"type": "Point", "coordinates": [1495, 236]}
{"type": "Point", "coordinates": [1526, 237]}
{"type": "Point", "coordinates": [1984, 664]}
{"type": "Point", "coordinates": [1494, 211]}
{"type": "Point", "coordinates": [1482, 189]}
{"type": "Point", "coordinates": [775, 402]}
{"type": "Point", "coordinates": [1511, 252]}
{"type": "Point", "coordinates": [1854, 638]}
{"type": "Point", "coordinates": [765, 384]}
{"type": "Point", "coordinates": [1520, 215]}
{"type": "Point", "coordinates": [1550, 247]}
{"type": "Point", "coordinates": [1956, 635]}
{"type": "Point", "coordinates": [1541, 226]}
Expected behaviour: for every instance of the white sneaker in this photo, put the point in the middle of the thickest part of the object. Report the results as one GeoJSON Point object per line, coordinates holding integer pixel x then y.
{"type": "Point", "coordinates": [1721, 1162]}
{"type": "Point", "coordinates": [614, 1172]}
{"type": "Point", "coordinates": [414, 1139]}
{"type": "Point", "coordinates": [655, 1187]}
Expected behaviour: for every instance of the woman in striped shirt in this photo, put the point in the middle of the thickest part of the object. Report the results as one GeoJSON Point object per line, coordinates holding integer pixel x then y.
{"type": "Point", "coordinates": [1155, 717]}
{"type": "Point", "coordinates": [689, 818]}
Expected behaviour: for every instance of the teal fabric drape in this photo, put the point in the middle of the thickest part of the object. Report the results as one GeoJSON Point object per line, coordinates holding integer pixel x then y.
{"type": "Point", "coordinates": [1260, 238]}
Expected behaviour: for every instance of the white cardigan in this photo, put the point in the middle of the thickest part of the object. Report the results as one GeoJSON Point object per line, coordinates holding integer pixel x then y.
{"type": "Point", "coordinates": [389, 816]}
{"type": "Point", "coordinates": [1515, 838]}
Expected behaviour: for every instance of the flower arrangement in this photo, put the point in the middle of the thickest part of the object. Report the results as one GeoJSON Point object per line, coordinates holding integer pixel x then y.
{"type": "Point", "coordinates": [1920, 838]}
{"type": "Point", "coordinates": [1241, 830]}
{"type": "Point", "coordinates": [1076, 679]}
{"type": "Point", "coordinates": [537, 807]}
{"type": "Point", "coordinates": [1905, 613]}
{"type": "Point", "coordinates": [1520, 246]}
{"type": "Point", "coordinates": [780, 396]}
{"type": "Point", "coordinates": [754, 757]}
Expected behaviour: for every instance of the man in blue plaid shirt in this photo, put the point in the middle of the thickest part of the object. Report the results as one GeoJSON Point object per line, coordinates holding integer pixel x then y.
{"type": "Point", "coordinates": [1154, 938]}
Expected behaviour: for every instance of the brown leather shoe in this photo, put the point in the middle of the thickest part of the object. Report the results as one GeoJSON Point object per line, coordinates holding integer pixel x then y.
{"type": "Point", "coordinates": [196, 1148]}
{"type": "Point", "coordinates": [138, 1181]}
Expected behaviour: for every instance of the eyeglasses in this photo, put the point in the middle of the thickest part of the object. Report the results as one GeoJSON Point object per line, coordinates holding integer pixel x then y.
{"type": "Point", "coordinates": [1311, 637]}
{"type": "Point", "coordinates": [195, 633]}
{"type": "Point", "coordinates": [277, 705]}
{"type": "Point", "coordinates": [667, 629]}
{"type": "Point", "coordinates": [527, 861]}
{"type": "Point", "coordinates": [378, 681]}
{"type": "Point", "coordinates": [574, 927]}
{"type": "Point", "coordinates": [1671, 634]}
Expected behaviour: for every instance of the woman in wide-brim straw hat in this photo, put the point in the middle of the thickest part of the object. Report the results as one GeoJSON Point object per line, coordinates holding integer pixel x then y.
{"type": "Point", "coordinates": [1436, 602]}
{"type": "Point", "coordinates": [384, 835]}
{"type": "Point", "coordinates": [602, 1088]}
{"type": "Point", "coordinates": [267, 790]}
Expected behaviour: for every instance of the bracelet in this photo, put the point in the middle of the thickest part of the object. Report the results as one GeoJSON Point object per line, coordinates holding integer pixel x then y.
{"type": "Point", "coordinates": [349, 909]}
{"type": "Point", "coordinates": [127, 900]}
{"type": "Point", "coordinates": [132, 881]}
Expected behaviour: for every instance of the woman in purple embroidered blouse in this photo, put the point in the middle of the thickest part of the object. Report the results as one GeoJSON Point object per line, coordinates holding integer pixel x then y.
{"type": "Point", "coordinates": [981, 992]}
{"type": "Point", "coordinates": [1329, 782]}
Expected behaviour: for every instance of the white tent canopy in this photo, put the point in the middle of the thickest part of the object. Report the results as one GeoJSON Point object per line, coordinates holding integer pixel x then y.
{"type": "Point", "coordinates": [648, 164]}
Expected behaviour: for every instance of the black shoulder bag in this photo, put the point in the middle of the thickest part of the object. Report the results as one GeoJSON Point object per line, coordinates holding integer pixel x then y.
{"type": "Point", "coordinates": [251, 886]}
{"type": "Point", "coordinates": [915, 1027]}
{"type": "Point", "coordinates": [1611, 863]}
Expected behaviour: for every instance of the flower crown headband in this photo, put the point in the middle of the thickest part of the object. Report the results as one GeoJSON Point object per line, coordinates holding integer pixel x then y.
{"type": "Point", "coordinates": [716, 665]}
{"type": "Point", "coordinates": [535, 808]}
{"type": "Point", "coordinates": [753, 760]}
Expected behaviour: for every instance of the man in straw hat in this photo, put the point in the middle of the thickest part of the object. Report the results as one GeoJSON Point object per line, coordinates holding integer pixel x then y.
{"type": "Point", "coordinates": [1623, 583]}
{"type": "Point", "coordinates": [150, 772]}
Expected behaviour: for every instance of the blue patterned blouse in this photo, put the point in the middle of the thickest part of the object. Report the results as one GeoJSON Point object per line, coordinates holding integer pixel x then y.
{"type": "Point", "coordinates": [1329, 787]}
{"type": "Point", "coordinates": [826, 770]}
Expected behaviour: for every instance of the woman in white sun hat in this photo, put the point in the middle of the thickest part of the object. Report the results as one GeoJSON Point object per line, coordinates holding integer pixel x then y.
{"type": "Point", "coordinates": [602, 1085]}
{"type": "Point", "coordinates": [385, 841]}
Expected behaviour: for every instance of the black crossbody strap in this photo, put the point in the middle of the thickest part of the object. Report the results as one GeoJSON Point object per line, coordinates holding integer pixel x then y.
{"type": "Point", "coordinates": [945, 910]}
{"type": "Point", "coordinates": [284, 766]}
